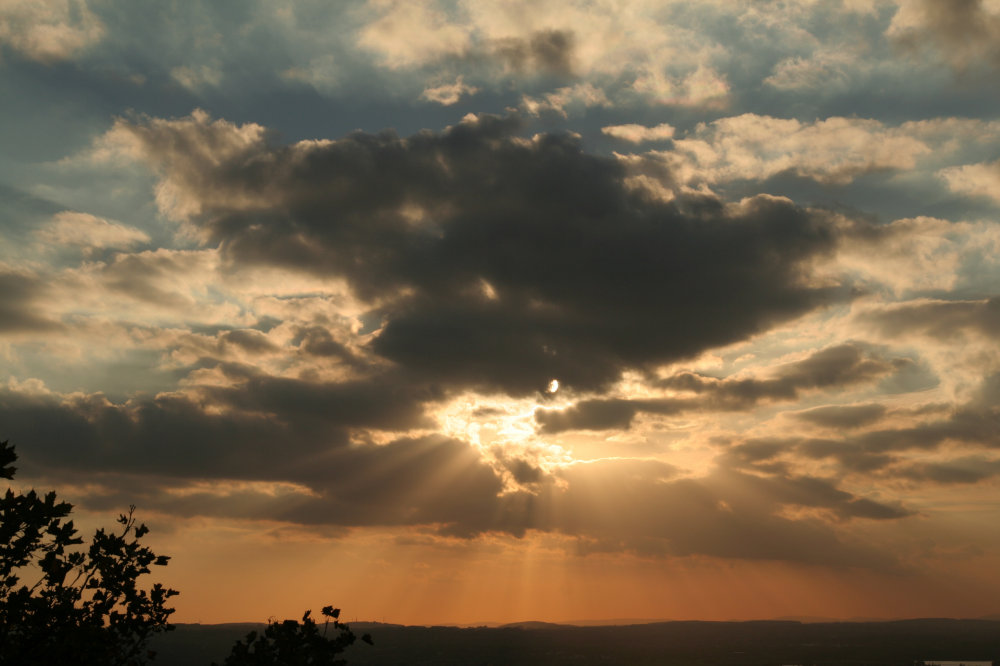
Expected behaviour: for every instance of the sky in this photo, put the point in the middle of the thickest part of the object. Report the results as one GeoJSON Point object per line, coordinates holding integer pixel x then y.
{"type": "Point", "coordinates": [462, 311]}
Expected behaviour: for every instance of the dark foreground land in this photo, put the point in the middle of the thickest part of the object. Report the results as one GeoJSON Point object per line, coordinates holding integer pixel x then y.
{"type": "Point", "coordinates": [664, 643]}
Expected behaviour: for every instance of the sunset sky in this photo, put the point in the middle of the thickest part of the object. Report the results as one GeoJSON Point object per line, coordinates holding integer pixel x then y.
{"type": "Point", "coordinates": [466, 311]}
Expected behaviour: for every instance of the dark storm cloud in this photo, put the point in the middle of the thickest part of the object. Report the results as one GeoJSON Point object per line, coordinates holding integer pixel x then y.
{"type": "Point", "coordinates": [261, 427]}
{"type": "Point", "coordinates": [502, 262]}
{"type": "Point", "coordinates": [828, 369]}
{"type": "Point", "coordinates": [21, 297]}
{"type": "Point", "coordinates": [169, 435]}
{"type": "Point", "coordinates": [422, 481]}
{"type": "Point", "coordinates": [843, 416]}
{"type": "Point", "coordinates": [384, 403]}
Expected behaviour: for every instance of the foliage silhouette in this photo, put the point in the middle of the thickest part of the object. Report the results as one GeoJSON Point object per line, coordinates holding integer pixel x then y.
{"type": "Point", "coordinates": [292, 643]}
{"type": "Point", "coordinates": [86, 606]}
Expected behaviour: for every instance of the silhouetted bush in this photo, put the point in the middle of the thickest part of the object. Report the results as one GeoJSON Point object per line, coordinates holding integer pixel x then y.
{"type": "Point", "coordinates": [85, 607]}
{"type": "Point", "coordinates": [292, 643]}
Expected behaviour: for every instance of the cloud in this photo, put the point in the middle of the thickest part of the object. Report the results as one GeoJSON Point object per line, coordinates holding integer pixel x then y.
{"type": "Point", "coordinates": [21, 297]}
{"type": "Point", "coordinates": [381, 403]}
{"type": "Point", "coordinates": [584, 277]}
{"type": "Point", "coordinates": [639, 133]}
{"type": "Point", "coordinates": [938, 319]}
{"type": "Point", "coordinates": [982, 180]}
{"type": "Point", "coordinates": [196, 78]}
{"type": "Point", "coordinates": [448, 93]}
{"type": "Point", "coordinates": [842, 417]}
{"type": "Point", "coordinates": [410, 34]}
{"type": "Point", "coordinates": [49, 30]}
{"type": "Point", "coordinates": [189, 147]}
{"type": "Point", "coordinates": [588, 415]}
{"type": "Point", "coordinates": [324, 479]}
{"type": "Point", "coordinates": [728, 514]}
{"type": "Point", "coordinates": [922, 254]}
{"type": "Point", "coordinates": [89, 232]}
{"type": "Point", "coordinates": [634, 48]}
{"type": "Point", "coordinates": [256, 427]}
{"type": "Point", "coordinates": [702, 87]}
{"type": "Point", "coordinates": [911, 446]}
{"type": "Point", "coordinates": [582, 95]}
{"type": "Point", "coordinates": [824, 71]}
{"type": "Point", "coordinates": [750, 146]}
{"type": "Point", "coordinates": [549, 51]}
{"type": "Point", "coordinates": [970, 469]}
{"type": "Point", "coordinates": [833, 368]}
{"type": "Point", "coordinates": [965, 32]}
{"type": "Point", "coordinates": [148, 286]}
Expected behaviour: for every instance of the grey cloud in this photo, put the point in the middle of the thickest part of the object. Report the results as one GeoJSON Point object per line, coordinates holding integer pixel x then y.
{"type": "Point", "coordinates": [938, 319]}
{"type": "Point", "coordinates": [381, 402]}
{"type": "Point", "coordinates": [975, 423]}
{"type": "Point", "coordinates": [548, 51]}
{"type": "Point", "coordinates": [416, 481]}
{"type": "Point", "coordinates": [248, 340]}
{"type": "Point", "coordinates": [964, 31]}
{"type": "Point", "coordinates": [583, 277]}
{"type": "Point", "coordinates": [150, 276]}
{"type": "Point", "coordinates": [843, 416]}
{"type": "Point", "coordinates": [318, 341]}
{"type": "Point", "coordinates": [763, 453]}
{"type": "Point", "coordinates": [587, 415]}
{"type": "Point", "coordinates": [169, 435]}
{"type": "Point", "coordinates": [261, 427]}
{"type": "Point", "coordinates": [727, 514]}
{"type": "Point", "coordinates": [978, 426]}
{"type": "Point", "coordinates": [607, 414]}
{"type": "Point", "coordinates": [874, 450]}
{"type": "Point", "coordinates": [831, 368]}
{"type": "Point", "coordinates": [971, 469]}
{"type": "Point", "coordinates": [423, 481]}
{"type": "Point", "coordinates": [816, 492]}
{"type": "Point", "coordinates": [21, 298]}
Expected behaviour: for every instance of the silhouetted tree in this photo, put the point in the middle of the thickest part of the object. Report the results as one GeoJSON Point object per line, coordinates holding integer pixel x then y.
{"type": "Point", "coordinates": [292, 643]}
{"type": "Point", "coordinates": [85, 606]}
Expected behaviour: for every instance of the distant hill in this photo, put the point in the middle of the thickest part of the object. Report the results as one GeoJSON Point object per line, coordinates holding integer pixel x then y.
{"type": "Point", "coordinates": [887, 643]}
{"type": "Point", "coordinates": [531, 625]}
